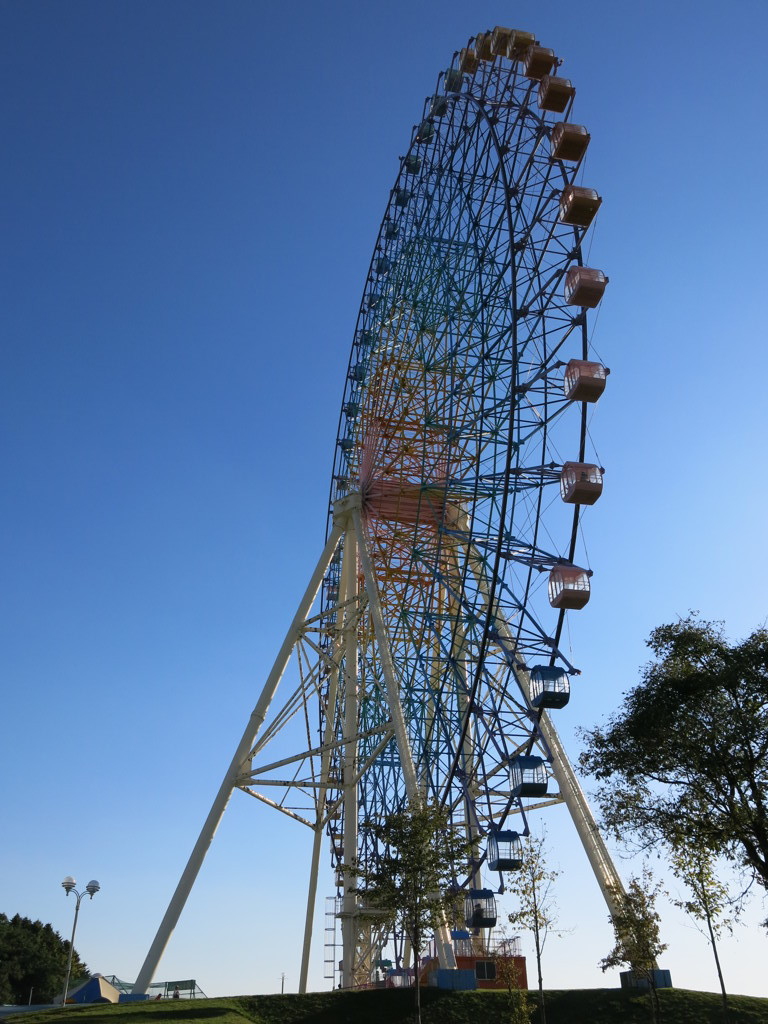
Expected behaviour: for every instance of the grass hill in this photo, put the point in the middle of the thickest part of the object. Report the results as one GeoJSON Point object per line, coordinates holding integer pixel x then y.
{"type": "Point", "coordinates": [390, 1006]}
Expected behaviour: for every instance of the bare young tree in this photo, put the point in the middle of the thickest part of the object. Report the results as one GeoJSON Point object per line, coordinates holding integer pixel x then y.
{"type": "Point", "coordinates": [709, 899]}
{"type": "Point", "coordinates": [532, 885]}
{"type": "Point", "coordinates": [412, 881]}
{"type": "Point", "coordinates": [636, 929]}
{"type": "Point", "coordinates": [509, 973]}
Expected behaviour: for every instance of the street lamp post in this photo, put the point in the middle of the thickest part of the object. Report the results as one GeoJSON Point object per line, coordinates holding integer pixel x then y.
{"type": "Point", "coordinates": [92, 888]}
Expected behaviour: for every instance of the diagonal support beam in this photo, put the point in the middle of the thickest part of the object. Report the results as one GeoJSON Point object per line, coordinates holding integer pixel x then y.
{"type": "Point", "coordinates": [387, 666]}
{"type": "Point", "coordinates": [446, 954]}
{"type": "Point", "coordinates": [608, 878]}
{"type": "Point", "coordinates": [235, 769]}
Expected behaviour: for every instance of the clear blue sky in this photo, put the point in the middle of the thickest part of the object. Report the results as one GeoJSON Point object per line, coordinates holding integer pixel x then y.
{"type": "Point", "coordinates": [190, 196]}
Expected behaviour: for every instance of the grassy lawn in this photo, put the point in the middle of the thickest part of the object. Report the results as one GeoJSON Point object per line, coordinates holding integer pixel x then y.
{"type": "Point", "coordinates": [578, 1006]}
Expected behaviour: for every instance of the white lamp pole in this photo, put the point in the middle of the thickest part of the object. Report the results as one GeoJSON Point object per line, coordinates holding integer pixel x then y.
{"type": "Point", "coordinates": [92, 888]}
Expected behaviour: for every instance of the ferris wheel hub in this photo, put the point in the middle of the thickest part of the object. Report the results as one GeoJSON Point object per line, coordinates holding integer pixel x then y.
{"type": "Point", "coordinates": [344, 506]}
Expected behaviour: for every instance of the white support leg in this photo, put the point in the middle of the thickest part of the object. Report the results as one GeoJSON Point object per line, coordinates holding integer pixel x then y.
{"type": "Point", "coordinates": [387, 667]}
{"type": "Point", "coordinates": [255, 722]}
{"type": "Point", "coordinates": [607, 876]}
{"type": "Point", "coordinates": [349, 922]}
{"type": "Point", "coordinates": [310, 914]}
{"type": "Point", "coordinates": [446, 955]}
{"type": "Point", "coordinates": [318, 837]}
{"type": "Point", "coordinates": [597, 853]}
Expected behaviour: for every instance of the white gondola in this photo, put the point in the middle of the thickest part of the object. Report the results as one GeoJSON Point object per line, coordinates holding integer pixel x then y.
{"type": "Point", "coordinates": [569, 141]}
{"type": "Point", "coordinates": [569, 586]}
{"type": "Point", "coordinates": [584, 381]}
{"type": "Point", "coordinates": [584, 286]}
{"type": "Point", "coordinates": [581, 483]}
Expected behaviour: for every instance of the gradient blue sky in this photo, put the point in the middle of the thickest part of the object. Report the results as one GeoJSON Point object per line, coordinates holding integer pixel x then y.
{"type": "Point", "coordinates": [190, 195]}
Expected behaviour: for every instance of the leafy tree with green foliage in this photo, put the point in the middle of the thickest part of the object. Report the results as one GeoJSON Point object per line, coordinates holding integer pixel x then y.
{"type": "Point", "coordinates": [536, 912]}
{"type": "Point", "coordinates": [33, 959]}
{"type": "Point", "coordinates": [412, 882]}
{"type": "Point", "coordinates": [636, 931]}
{"type": "Point", "coordinates": [709, 899]}
{"type": "Point", "coordinates": [686, 756]}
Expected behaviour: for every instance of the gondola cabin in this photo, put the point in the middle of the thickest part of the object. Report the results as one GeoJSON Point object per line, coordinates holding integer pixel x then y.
{"type": "Point", "coordinates": [480, 908]}
{"type": "Point", "coordinates": [453, 80]}
{"type": "Point", "coordinates": [579, 205]}
{"type": "Point", "coordinates": [584, 381]}
{"type": "Point", "coordinates": [500, 39]}
{"type": "Point", "coordinates": [519, 44]}
{"type": "Point", "coordinates": [504, 851]}
{"type": "Point", "coordinates": [584, 286]}
{"type": "Point", "coordinates": [550, 687]}
{"type": "Point", "coordinates": [468, 61]}
{"type": "Point", "coordinates": [439, 106]}
{"type": "Point", "coordinates": [425, 131]}
{"type": "Point", "coordinates": [569, 141]}
{"type": "Point", "coordinates": [483, 47]}
{"type": "Point", "coordinates": [461, 940]}
{"type": "Point", "coordinates": [528, 776]}
{"type": "Point", "coordinates": [581, 483]}
{"type": "Point", "coordinates": [569, 586]}
{"type": "Point", "coordinates": [538, 62]}
{"type": "Point", "coordinates": [555, 93]}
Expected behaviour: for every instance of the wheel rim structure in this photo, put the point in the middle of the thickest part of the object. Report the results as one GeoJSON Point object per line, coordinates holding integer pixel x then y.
{"type": "Point", "coordinates": [456, 496]}
{"type": "Point", "coordinates": [454, 429]}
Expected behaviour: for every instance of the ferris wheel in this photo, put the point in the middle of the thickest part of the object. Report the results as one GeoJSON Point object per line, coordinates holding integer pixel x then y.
{"type": "Point", "coordinates": [426, 651]}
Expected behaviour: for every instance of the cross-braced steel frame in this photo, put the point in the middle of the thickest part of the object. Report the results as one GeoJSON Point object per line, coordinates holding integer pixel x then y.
{"type": "Point", "coordinates": [318, 783]}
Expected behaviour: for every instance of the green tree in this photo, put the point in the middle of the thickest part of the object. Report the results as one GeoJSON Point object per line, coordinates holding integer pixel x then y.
{"type": "Point", "coordinates": [33, 958]}
{"type": "Point", "coordinates": [709, 899]}
{"type": "Point", "coordinates": [509, 972]}
{"type": "Point", "coordinates": [686, 755]}
{"type": "Point", "coordinates": [532, 885]}
{"type": "Point", "coordinates": [412, 881]}
{"type": "Point", "coordinates": [636, 931]}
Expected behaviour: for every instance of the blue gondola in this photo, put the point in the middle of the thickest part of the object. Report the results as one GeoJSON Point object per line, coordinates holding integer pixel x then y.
{"type": "Point", "coordinates": [504, 851]}
{"type": "Point", "coordinates": [528, 777]}
{"type": "Point", "coordinates": [550, 687]}
{"type": "Point", "coordinates": [438, 106]}
{"type": "Point", "coordinates": [453, 80]}
{"type": "Point", "coordinates": [425, 131]}
{"type": "Point", "coordinates": [480, 908]}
